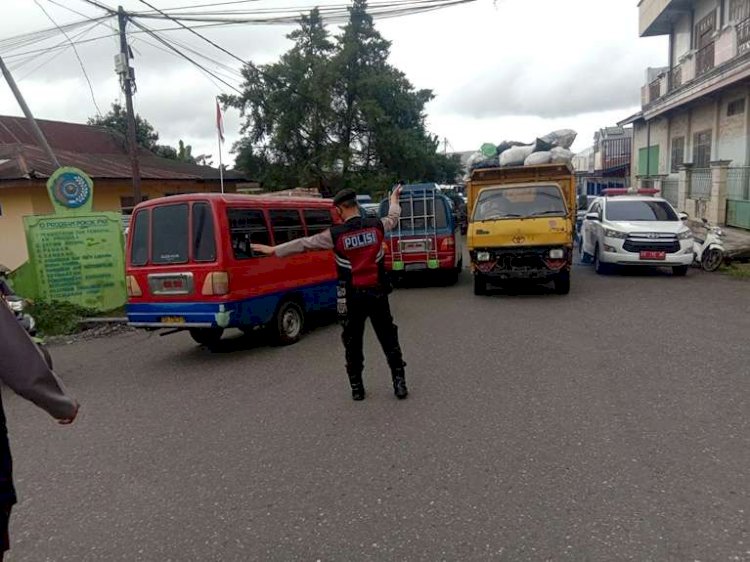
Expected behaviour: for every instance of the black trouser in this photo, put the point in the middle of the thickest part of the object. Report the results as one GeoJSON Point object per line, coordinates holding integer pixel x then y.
{"type": "Point", "coordinates": [373, 305]}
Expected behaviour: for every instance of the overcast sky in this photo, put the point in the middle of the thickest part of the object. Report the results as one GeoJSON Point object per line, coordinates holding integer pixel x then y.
{"type": "Point", "coordinates": [504, 69]}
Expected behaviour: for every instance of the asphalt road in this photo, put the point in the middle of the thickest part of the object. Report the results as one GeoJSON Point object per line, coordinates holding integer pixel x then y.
{"type": "Point", "coordinates": [611, 424]}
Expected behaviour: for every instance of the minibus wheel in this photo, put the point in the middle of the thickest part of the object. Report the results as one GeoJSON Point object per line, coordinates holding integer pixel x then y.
{"type": "Point", "coordinates": [288, 323]}
{"type": "Point", "coordinates": [206, 336]}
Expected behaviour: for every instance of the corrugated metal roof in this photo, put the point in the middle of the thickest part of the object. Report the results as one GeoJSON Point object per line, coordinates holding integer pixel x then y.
{"type": "Point", "coordinates": [99, 152]}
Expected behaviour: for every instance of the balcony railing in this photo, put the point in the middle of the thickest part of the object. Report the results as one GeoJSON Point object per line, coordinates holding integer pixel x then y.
{"type": "Point", "coordinates": [705, 59]}
{"type": "Point", "coordinates": [675, 78]}
{"type": "Point", "coordinates": [654, 90]}
{"type": "Point", "coordinates": [743, 36]}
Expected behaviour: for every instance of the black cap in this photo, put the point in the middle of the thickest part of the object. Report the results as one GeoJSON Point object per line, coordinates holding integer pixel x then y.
{"type": "Point", "coordinates": [344, 196]}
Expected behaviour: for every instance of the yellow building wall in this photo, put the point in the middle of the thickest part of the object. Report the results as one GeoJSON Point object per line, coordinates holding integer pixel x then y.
{"type": "Point", "coordinates": [32, 199]}
{"type": "Point", "coordinates": [16, 203]}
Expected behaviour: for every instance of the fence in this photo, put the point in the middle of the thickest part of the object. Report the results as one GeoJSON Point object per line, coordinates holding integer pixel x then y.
{"type": "Point", "coordinates": [738, 197]}
{"type": "Point", "coordinates": [700, 184]}
{"type": "Point", "coordinates": [738, 183]}
{"type": "Point", "coordinates": [669, 190]}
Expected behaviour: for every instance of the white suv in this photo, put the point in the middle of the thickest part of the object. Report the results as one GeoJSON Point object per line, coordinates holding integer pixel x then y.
{"type": "Point", "coordinates": [636, 230]}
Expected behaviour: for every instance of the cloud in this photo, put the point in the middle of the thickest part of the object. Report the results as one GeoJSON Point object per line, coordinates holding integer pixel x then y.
{"type": "Point", "coordinates": [600, 80]}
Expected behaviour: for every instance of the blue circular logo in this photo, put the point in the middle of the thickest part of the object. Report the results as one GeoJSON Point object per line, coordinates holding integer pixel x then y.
{"type": "Point", "coordinates": [71, 190]}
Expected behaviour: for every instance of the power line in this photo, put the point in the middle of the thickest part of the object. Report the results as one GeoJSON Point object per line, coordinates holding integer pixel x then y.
{"type": "Point", "coordinates": [78, 56]}
{"type": "Point", "coordinates": [183, 55]}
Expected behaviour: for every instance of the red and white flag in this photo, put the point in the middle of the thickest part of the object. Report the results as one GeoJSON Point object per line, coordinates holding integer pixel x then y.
{"type": "Point", "coordinates": [219, 122]}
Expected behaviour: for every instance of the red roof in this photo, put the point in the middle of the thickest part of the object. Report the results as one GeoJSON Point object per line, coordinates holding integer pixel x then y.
{"type": "Point", "coordinates": [100, 152]}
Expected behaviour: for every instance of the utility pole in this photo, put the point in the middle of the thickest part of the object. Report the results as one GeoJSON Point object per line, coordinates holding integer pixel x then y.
{"type": "Point", "coordinates": [127, 79]}
{"type": "Point", "coordinates": [40, 138]}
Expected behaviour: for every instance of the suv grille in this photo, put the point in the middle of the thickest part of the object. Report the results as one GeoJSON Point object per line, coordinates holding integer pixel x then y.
{"type": "Point", "coordinates": [652, 243]}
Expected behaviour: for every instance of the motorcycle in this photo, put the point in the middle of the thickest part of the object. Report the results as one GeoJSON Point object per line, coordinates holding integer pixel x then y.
{"type": "Point", "coordinates": [709, 253]}
{"type": "Point", "coordinates": [17, 306]}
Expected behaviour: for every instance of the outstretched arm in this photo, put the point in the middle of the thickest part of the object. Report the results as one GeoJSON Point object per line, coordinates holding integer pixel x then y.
{"type": "Point", "coordinates": [394, 211]}
{"type": "Point", "coordinates": [23, 370]}
{"type": "Point", "coordinates": [320, 241]}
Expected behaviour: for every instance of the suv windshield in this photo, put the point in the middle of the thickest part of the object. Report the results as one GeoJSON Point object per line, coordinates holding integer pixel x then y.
{"type": "Point", "coordinates": [640, 211]}
{"type": "Point", "coordinates": [519, 202]}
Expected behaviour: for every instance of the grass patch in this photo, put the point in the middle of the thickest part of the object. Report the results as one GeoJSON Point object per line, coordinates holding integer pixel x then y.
{"type": "Point", "coordinates": [738, 270]}
{"type": "Point", "coordinates": [58, 318]}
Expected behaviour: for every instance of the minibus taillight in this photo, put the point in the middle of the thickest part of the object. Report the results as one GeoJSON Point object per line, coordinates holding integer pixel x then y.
{"type": "Point", "coordinates": [216, 283]}
{"type": "Point", "coordinates": [447, 243]}
{"type": "Point", "coordinates": [134, 290]}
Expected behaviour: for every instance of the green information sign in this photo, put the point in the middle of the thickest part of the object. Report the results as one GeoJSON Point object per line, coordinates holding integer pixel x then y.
{"type": "Point", "coordinates": [77, 255]}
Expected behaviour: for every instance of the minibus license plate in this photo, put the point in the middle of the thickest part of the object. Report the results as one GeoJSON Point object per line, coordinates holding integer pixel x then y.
{"type": "Point", "coordinates": [413, 247]}
{"type": "Point", "coordinates": [173, 320]}
{"type": "Point", "coordinates": [653, 255]}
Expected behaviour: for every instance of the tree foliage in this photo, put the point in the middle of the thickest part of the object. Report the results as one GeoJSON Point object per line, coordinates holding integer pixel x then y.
{"type": "Point", "coordinates": [332, 112]}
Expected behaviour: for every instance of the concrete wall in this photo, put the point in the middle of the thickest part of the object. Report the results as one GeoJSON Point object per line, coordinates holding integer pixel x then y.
{"type": "Point", "coordinates": [31, 198]}
{"type": "Point", "coordinates": [733, 132]}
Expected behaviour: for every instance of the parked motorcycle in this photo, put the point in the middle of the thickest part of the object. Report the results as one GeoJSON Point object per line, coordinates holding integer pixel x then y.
{"type": "Point", "coordinates": [710, 252]}
{"type": "Point", "coordinates": [17, 305]}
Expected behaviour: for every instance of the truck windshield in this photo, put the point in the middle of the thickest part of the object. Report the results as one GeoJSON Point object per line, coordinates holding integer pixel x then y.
{"type": "Point", "coordinates": [640, 211]}
{"type": "Point", "coordinates": [520, 202]}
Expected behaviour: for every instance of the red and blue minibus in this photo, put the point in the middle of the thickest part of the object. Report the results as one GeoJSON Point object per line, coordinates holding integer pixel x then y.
{"type": "Point", "coordinates": [190, 265]}
{"type": "Point", "coordinates": [428, 237]}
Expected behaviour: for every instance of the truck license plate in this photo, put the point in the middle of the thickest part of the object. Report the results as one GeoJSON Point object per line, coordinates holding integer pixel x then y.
{"type": "Point", "coordinates": [654, 256]}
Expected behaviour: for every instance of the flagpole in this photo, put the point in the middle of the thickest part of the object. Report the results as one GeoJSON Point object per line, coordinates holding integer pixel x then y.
{"type": "Point", "coordinates": [221, 168]}
{"type": "Point", "coordinates": [219, 133]}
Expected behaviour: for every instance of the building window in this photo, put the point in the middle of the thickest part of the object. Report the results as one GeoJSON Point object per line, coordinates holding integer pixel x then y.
{"type": "Point", "coordinates": [737, 107]}
{"type": "Point", "coordinates": [702, 149]}
{"type": "Point", "coordinates": [286, 225]}
{"type": "Point", "coordinates": [739, 10]}
{"type": "Point", "coordinates": [648, 161]}
{"type": "Point", "coordinates": [678, 153]}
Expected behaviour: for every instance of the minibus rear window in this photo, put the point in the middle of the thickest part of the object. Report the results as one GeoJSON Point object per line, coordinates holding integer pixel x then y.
{"type": "Point", "coordinates": [413, 216]}
{"type": "Point", "coordinates": [169, 234]}
{"type": "Point", "coordinates": [204, 242]}
{"type": "Point", "coordinates": [139, 234]}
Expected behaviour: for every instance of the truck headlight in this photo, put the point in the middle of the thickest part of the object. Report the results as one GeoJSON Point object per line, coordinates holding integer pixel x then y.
{"type": "Point", "coordinates": [483, 256]}
{"type": "Point", "coordinates": [609, 233]}
{"type": "Point", "coordinates": [557, 254]}
{"type": "Point", "coordinates": [685, 235]}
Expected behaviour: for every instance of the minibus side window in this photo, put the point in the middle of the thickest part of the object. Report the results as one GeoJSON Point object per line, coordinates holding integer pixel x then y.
{"type": "Point", "coordinates": [139, 232]}
{"type": "Point", "coordinates": [204, 241]}
{"type": "Point", "coordinates": [170, 236]}
{"type": "Point", "coordinates": [287, 225]}
{"type": "Point", "coordinates": [247, 226]}
{"type": "Point", "coordinates": [317, 220]}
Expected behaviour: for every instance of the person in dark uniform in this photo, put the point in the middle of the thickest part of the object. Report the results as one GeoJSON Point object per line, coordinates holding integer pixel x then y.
{"type": "Point", "coordinates": [363, 288]}
{"type": "Point", "coordinates": [24, 370]}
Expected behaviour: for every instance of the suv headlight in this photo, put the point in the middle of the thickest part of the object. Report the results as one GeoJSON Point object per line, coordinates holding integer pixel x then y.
{"type": "Point", "coordinates": [685, 235]}
{"type": "Point", "coordinates": [609, 233]}
{"type": "Point", "coordinates": [483, 256]}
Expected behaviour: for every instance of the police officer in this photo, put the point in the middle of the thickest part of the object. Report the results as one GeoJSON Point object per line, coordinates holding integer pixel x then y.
{"type": "Point", "coordinates": [23, 370]}
{"type": "Point", "coordinates": [363, 288]}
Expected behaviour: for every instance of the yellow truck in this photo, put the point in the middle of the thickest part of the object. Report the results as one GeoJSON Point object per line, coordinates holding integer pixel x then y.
{"type": "Point", "coordinates": [521, 225]}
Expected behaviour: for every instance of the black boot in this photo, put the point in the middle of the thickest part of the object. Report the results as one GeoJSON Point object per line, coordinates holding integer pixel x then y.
{"type": "Point", "coordinates": [358, 392]}
{"type": "Point", "coordinates": [358, 387]}
{"type": "Point", "coordinates": [399, 383]}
